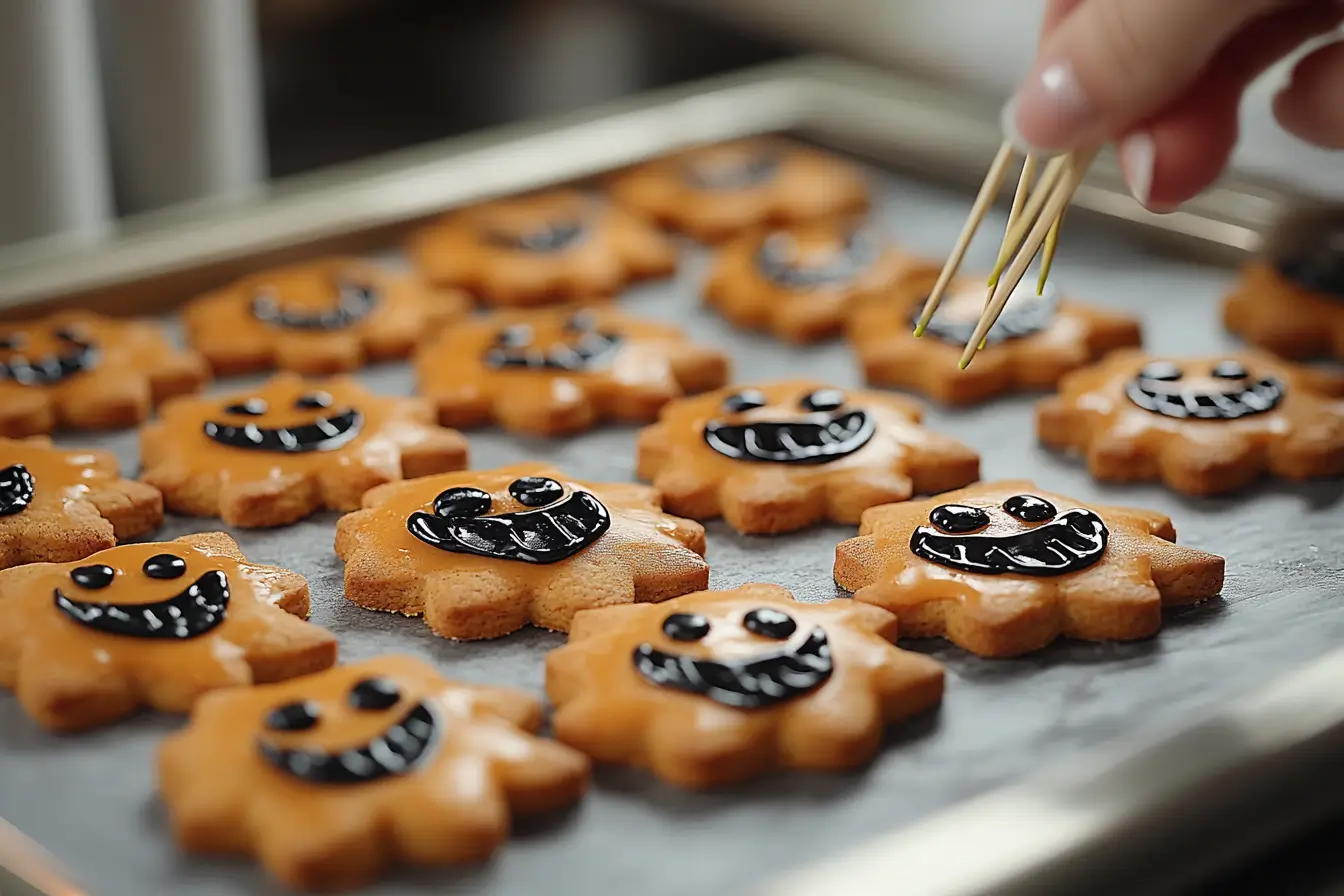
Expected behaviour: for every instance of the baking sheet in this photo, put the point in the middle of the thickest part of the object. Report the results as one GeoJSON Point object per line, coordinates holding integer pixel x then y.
{"type": "Point", "coordinates": [90, 799]}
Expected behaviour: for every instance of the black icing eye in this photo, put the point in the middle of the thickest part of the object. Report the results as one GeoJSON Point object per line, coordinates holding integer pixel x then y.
{"type": "Point", "coordinates": [313, 401]}
{"type": "Point", "coordinates": [516, 336]}
{"type": "Point", "coordinates": [1029, 508]}
{"type": "Point", "coordinates": [770, 623]}
{"type": "Point", "coordinates": [581, 322]}
{"type": "Point", "coordinates": [1162, 371]}
{"type": "Point", "coordinates": [958, 518]}
{"type": "Point", "coordinates": [97, 576]}
{"type": "Point", "coordinates": [253, 407]}
{"type": "Point", "coordinates": [685, 626]}
{"type": "Point", "coordinates": [1230, 370]}
{"type": "Point", "coordinates": [746, 400]}
{"type": "Point", "coordinates": [12, 342]}
{"type": "Point", "coordinates": [374, 694]}
{"type": "Point", "coordinates": [66, 334]}
{"type": "Point", "coordinates": [164, 566]}
{"type": "Point", "coordinates": [462, 502]}
{"type": "Point", "coordinates": [824, 400]}
{"type": "Point", "coordinates": [535, 491]}
{"type": "Point", "coordinates": [298, 716]}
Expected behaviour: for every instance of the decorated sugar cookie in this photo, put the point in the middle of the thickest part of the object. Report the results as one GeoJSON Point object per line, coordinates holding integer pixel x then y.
{"type": "Point", "coordinates": [272, 455]}
{"type": "Point", "coordinates": [482, 554]}
{"type": "Point", "coordinates": [1294, 306]}
{"type": "Point", "coordinates": [1004, 568]}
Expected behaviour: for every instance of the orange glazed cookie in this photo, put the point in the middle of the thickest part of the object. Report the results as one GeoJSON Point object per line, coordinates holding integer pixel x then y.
{"type": "Point", "coordinates": [1201, 425]}
{"type": "Point", "coordinates": [718, 686]}
{"type": "Point", "coordinates": [273, 455]}
{"type": "Point", "coordinates": [331, 778]}
{"type": "Point", "coordinates": [482, 554]}
{"type": "Point", "coordinates": [60, 505]}
{"type": "Point", "coordinates": [321, 317]}
{"type": "Point", "coordinates": [157, 625]}
{"type": "Point", "coordinates": [1003, 568]}
{"type": "Point", "coordinates": [1294, 308]}
{"type": "Point", "coordinates": [559, 372]}
{"type": "Point", "coordinates": [713, 192]}
{"type": "Point", "coordinates": [540, 249]}
{"type": "Point", "coordinates": [1036, 341]}
{"type": "Point", "coordinates": [778, 457]}
{"type": "Point", "coordinates": [85, 371]}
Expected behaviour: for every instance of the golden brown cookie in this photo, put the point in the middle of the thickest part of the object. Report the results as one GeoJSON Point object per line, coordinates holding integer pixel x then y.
{"type": "Point", "coordinates": [482, 554]}
{"type": "Point", "coordinates": [331, 778]}
{"type": "Point", "coordinates": [331, 315]}
{"type": "Point", "coordinates": [718, 686]}
{"type": "Point", "coordinates": [714, 192]}
{"type": "Point", "coordinates": [1036, 340]}
{"type": "Point", "coordinates": [1200, 425]}
{"type": "Point", "coordinates": [1002, 568]}
{"type": "Point", "coordinates": [272, 455]}
{"type": "Point", "coordinates": [1294, 306]}
{"type": "Point", "coordinates": [80, 370]}
{"type": "Point", "coordinates": [557, 372]}
{"type": "Point", "coordinates": [150, 625]}
{"type": "Point", "coordinates": [540, 249]}
{"type": "Point", "coordinates": [58, 505]}
{"type": "Point", "coordinates": [781, 456]}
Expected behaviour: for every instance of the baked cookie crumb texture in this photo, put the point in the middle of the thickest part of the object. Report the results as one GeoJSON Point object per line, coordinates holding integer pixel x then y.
{"type": "Point", "coordinates": [1294, 306]}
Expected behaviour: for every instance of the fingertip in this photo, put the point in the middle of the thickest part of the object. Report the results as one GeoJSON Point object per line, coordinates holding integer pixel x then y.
{"type": "Point", "coordinates": [1309, 106]}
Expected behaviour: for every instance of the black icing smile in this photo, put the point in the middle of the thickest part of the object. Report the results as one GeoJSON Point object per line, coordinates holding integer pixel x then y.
{"type": "Point", "coordinates": [353, 303]}
{"type": "Point", "coordinates": [1071, 541]}
{"type": "Point", "coordinates": [325, 433]}
{"type": "Point", "coordinates": [591, 349]}
{"type": "Point", "coordinates": [728, 174]}
{"type": "Point", "coordinates": [77, 356]}
{"type": "Point", "coordinates": [775, 261]}
{"type": "Point", "coordinates": [1019, 318]}
{"type": "Point", "coordinates": [397, 751]}
{"type": "Point", "coordinates": [826, 434]}
{"type": "Point", "coordinates": [16, 489]}
{"type": "Point", "coordinates": [189, 614]}
{"type": "Point", "coordinates": [1155, 389]}
{"type": "Point", "coordinates": [547, 238]}
{"type": "Point", "coordinates": [547, 534]}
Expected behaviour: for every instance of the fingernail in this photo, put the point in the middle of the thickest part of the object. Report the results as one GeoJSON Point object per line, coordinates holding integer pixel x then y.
{"type": "Point", "coordinates": [1138, 156]}
{"type": "Point", "coordinates": [1051, 112]}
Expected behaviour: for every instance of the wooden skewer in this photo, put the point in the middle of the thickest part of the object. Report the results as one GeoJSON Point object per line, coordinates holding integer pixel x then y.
{"type": "Point", "coordinates": [1048, 256]}
{"type": "Point", "coordinates": [1024, 181]}
{"type": "Point", "coordinates": [1049, 179]}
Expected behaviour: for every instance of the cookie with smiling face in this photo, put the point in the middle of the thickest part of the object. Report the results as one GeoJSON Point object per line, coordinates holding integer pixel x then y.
{"type": "Point", "coordinates": [482, 554]}
{"type": "Point", "coordinates": [718, 686]}
{"type": "Point", "coordinates": [714, 192]}
{"type": "Point", "coordinates": [1294, 305]}
{"type": "Point", "coordinates": [782, 456]}
{"type": "Point", "coordinates": [1203, 425]}
{"type": "Point", "coordinates": [1003, 568]}
{"type": "Point", "coordinates": [150, 625]}
{"type": "Point", "coordinates": [272, 455]}
{"type": "Point", "coordinates": [559, 372]}
{"type": "Point", "coordinates": [330, 778]}
{"type": "Point", "coordinates": [80, 370]}
{"type": "Point", "coordinates": [541, 249]}
{"type": "Point", "coordinates": [320, 317]}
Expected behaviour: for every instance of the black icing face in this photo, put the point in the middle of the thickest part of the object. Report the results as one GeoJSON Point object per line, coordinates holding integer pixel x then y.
{"type": "Point", "coordinates": [1027, 536]}
{"type": "Point", "coordinates": [353, 302]}
{"type": "Point", "coordinates": [1225, 390]}
{"type": "Point", "coordinates": [398, 749]}
{"type": "Point", "coordinates": [755, 681]}
{"type": "Point", "coordinates": [190, 613]}
{"type": "Point", "coordinates": [784, 262]}
{"type": "Point", "coordinates": [822, 429]}
{"type": "Point", "coordinates": [576, 346]}
{"type": "Point", "coordinates": [16, 489]}
{"type": "Point", "coordinates": [323, 431]}
{"type": "Point", "coordinates": [33, 356]}
{"type": "Point", "coordinates": [1025, 314]}
{"type": "Point", "coordinates": [1318, 267]}
{"type": "Point", "coordinates": [728, 168]}
{"type": "Point", "coordinates": [542, 238]}
{"type": "Point", "coordinates": [554, 529]}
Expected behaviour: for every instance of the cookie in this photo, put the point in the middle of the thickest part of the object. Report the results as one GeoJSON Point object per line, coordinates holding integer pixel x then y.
{"type": "Point", "coordinates": [327, 316]}
{"type": "Point", "coordinates": [1202, 426]}
{"type": "Point", "coordinates": [272, 455]}
{"type": "Point", "coordinates": [1035, 342]}
{"type": "Point", "coordinates": [714, 192]}
{"type": "Point", "coordinates": [718, 686]}
{"type": "Point", "coordinates": [781, 456]}
{"type": "Point", "coordinates": [150, 625]}
{"type": "Point", "coordinates": [796, 282]}
{"type": "Point", "coordinates": [79, 370]}
{"type": "Point", "coordinates": [58, 505]}
{"type": "Point", "coordinates": [1294, 306]}
{"type": "Point", "coordinates": [482, 554]}
{"type": "Point", "coordinates": [331, 778]}
{"type": "Point", "coordinates": [549, 247]}
{"type": "Point", "coordinates": [557, 372]}
{"type": "Point", "coordinates": [1003, 568]}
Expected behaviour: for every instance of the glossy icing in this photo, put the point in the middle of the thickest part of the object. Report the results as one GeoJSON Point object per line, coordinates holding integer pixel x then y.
{"type": "Point", "coordinates": [989, 540]}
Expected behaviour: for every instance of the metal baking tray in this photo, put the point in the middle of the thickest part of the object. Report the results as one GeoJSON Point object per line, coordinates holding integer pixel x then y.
{"type": "Point", "coordinates": [1027, 780]}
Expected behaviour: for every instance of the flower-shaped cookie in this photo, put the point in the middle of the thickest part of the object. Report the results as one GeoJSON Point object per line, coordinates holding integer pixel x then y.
{"type": "Point", "coordinates": [321, 317]}
{"type": "Point", "coordinates": [540, 249]}
{"type": "Point", "coordinates": [58, 505]}
{"type": "Point", "coordinates": [782, 456]}
{"type": "Point", "coordinates": [1294, 306]}
{"type": "Point", "coordinates": [1002, 568]}
{"type": "Point", "coordinates": [273, 455]}
{"type": "Point", "coordinates": [796, 282]}
{"type": "Point", "coordinates": [718, 686]}
{"type": "Point", "coordinates": [330, 778]}
{"type": "Point", "coordinates": [1036, 340]}
{"type": "Point", "coordinates": [482, 554]}
{"type": "Point", "coordinates": [157, 625]}
{"type": "Point", "coordinates": [1201, 425]}
{"type": "Point", "coordinates": [561, 371]}
{"type": "Point", "coordinates": [85, 371]}
{"type": "Point", "coordinates": [714, 192]}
